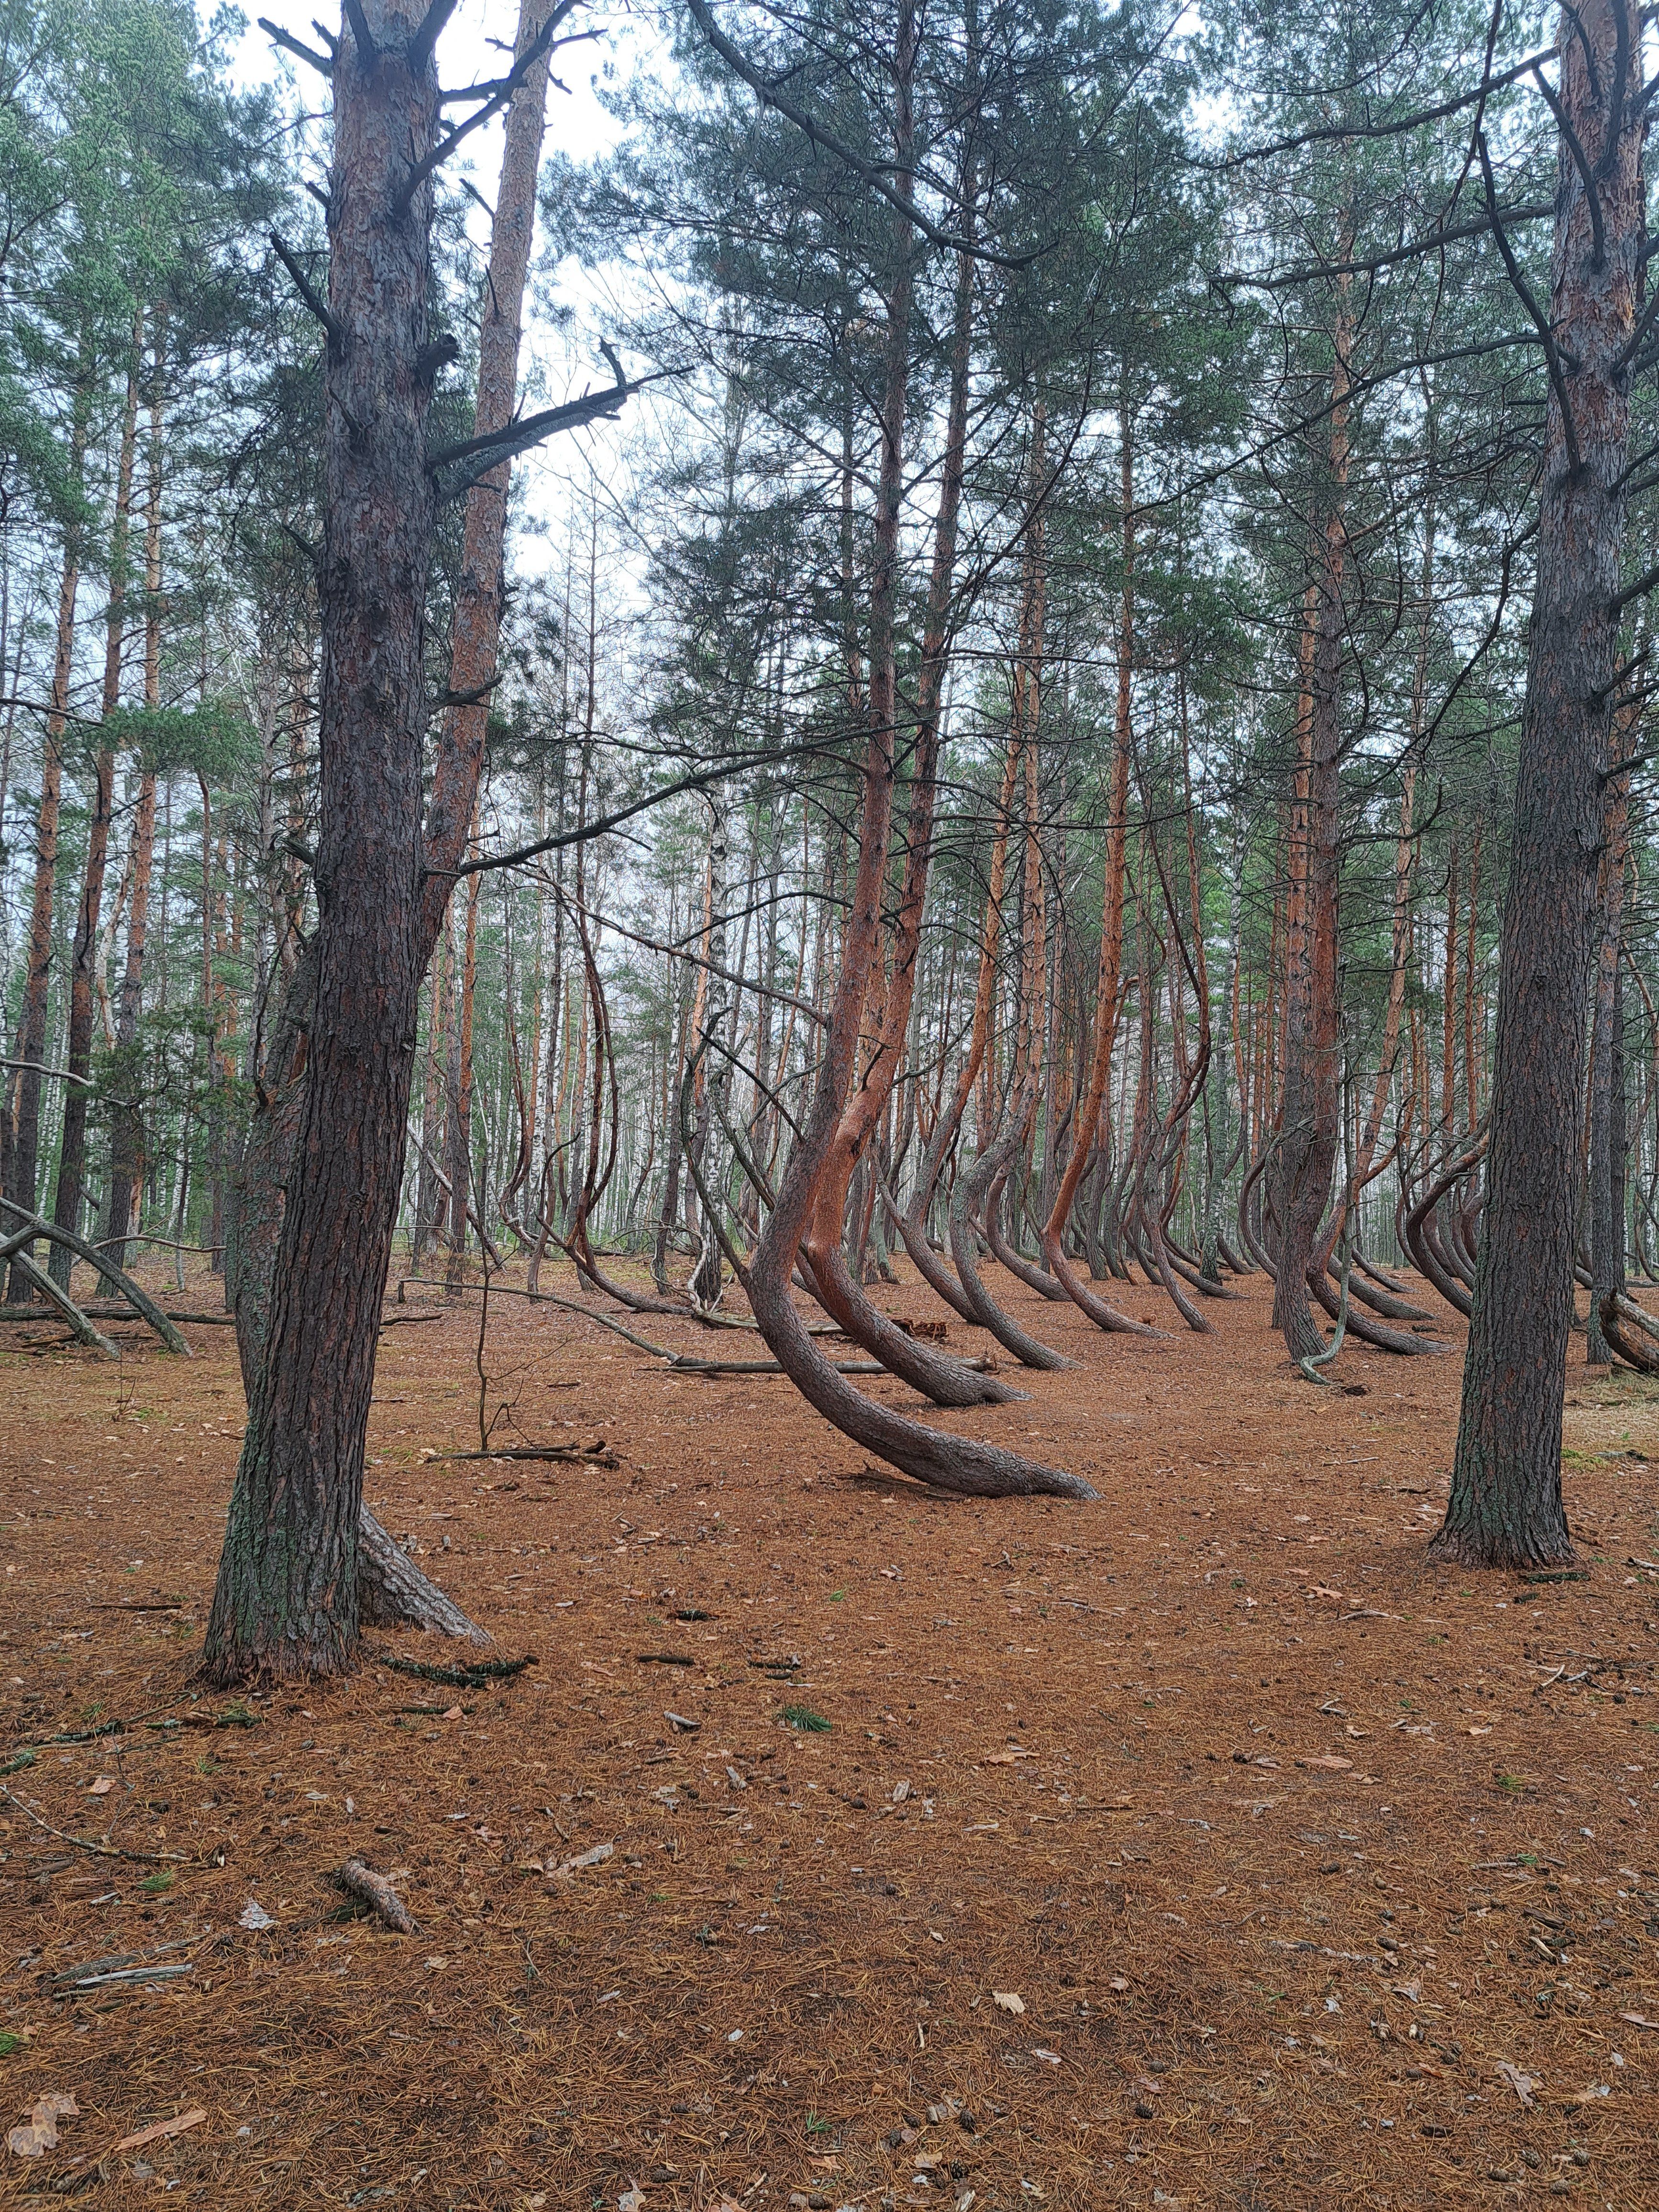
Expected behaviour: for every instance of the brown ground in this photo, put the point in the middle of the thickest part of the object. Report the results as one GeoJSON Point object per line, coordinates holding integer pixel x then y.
{"type": "Point", "coordinates": [1286, 1843]}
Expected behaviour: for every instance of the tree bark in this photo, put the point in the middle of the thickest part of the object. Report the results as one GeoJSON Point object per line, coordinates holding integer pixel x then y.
{"type": "Point", "coordinates": [78, 1058]}
{"type": "Point", "coordinates": [286, 1604]}
{"type": "Point", "coordinates": [1308, 1127]}
{"type": "Point", "coordinates": [1607, 1137]}
{"type": "Point", "coordinates": [288, 1597]}
{"type": "Point", "coordinates": [1505, 1508]}
{"type": "Point", "coordinates": [32, 1028]}
{"type": "Point", "coordinates": [945, 1460]}
{"type": "Point", "coordinates": [1100, 1310]}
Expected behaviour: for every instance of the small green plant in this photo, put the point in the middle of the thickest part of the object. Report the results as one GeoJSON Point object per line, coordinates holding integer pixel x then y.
{"type": "Point", "coordinates": [803, 1716]}
{"type": "Point", "coordinates": [207, 1764]}
{"type": "Point", "coordinates": [814, 2126]}
{"type": "Point", "coordinates": [9, 2043]}
{"type": "Point", "coordinates": [158, 1884]}
{"type": "Point", "coordinates": [1512, 1783]}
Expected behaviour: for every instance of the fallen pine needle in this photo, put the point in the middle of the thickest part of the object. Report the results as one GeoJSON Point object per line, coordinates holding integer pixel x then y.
{"type": "Point", "coordinates": [86, 1842]}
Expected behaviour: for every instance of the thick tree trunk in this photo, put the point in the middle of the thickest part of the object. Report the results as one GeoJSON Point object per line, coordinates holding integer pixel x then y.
{"type": "Point", "coordinates": [1505, 1508]}
{"type": "Point", "coordinates": [298, 1569]}
{"type": "Point", "coordinates": [392, 1591]}
{"type": "Point", "coordinates": [287, 1599]}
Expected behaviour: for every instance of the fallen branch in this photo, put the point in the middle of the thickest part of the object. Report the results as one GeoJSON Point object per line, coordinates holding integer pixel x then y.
{"type": "Point", "coordinates": [375, 1891]}
{"type": "Point", "coordinates": [87, 1843]}
{"type": "Point", "coordinates": [593, 1455]}
{"type": "Point", "coordinates": [112, 1309]}
{"type": "Point", "coordinates": [84, 1331]}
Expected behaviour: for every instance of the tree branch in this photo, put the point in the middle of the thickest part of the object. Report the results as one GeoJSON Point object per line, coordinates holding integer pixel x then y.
{"type": "Point", "coordinates": [1524, 293]}
{"type": "Point", "coordinates": [323, 63]}
{"type": "Point", "coordinates": [1394, 129]}
{"type": "Point", "coordinates": [869, 174]}
{"type": "Point", "coordinates": [1430, 242]}
{"type": "Point", "coordinates": [425, 39]}
{"type": "Point", "coordinates": [498, 99]}
{"type": "Point", "coordinates": [313, 298]}
{"type": "Point", "coordinates": [696, 781]}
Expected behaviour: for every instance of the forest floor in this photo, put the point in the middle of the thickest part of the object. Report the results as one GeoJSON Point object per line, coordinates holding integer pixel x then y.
{"type": "Point", "coordinates": [1201, 1847]}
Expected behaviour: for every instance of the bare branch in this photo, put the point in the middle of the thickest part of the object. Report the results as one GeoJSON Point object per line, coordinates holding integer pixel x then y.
{"type": "Point", "coordinates": [504, 91]}
{"type": "Point", "coordinates": [698, 781]}
{"type": "Point", "coordinates": [323, 63]}
{"type": "Point", "coordinates": [1523, 292]}
{"type": "Point", "coordinates": [308, 293]}
{"type": "Point", "coordinates": [432, 24]}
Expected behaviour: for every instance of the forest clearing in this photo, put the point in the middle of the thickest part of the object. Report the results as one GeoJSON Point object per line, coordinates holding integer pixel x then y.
{"type": "Point", "coordinates": [1287, 1864]}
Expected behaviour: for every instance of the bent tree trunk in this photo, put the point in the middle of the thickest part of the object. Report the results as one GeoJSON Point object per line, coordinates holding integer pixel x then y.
{"type": "Point", "coordinates": [1505, 1508]}
{"type": "Point", "coordinates": [949, 1462]}
{"type": "Point", "coordinates": [1100, 1310]}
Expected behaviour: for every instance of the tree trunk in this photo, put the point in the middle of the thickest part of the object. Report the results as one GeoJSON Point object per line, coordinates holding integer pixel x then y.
{"type": "Point", "coordinates": [1606, 1085]}
{"type": "Point", "coordinates": [32, 1028]}
{"type": "Point", "coordinates": [1505, 1508]}
{"type": "Point", "coordinates": [945, 1460]}
{"type": "Point", "coordinates": [72, 1152]}
{"type": "Point", "coordinates": [287, 1601]}
{"type": "Point", "coordinates": [1308, 1128]}
{"type": "Point", "coordinates": [1100, 1310]}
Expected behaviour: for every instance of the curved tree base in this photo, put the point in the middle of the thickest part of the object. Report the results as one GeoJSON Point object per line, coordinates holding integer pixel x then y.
{"type": "Point", "coordinates": [1631, 1333]}
{"type": "Point", "coordinates": [943, 1461]}
{"type": "Point", "coordinates": [1098, 1311]}
{"type": "Point", "coordinates": [970, 1190]}
{"type": "Point", "coordinates": [1023, 1270]}
{"type": "Point", "coordinates": [947, 1381]}
{"type": "Point", "coordinates": [1397, 1341]}
{"type": "Point", "coordinates": [393, 1593]}
{"type": "Point", "coordinates": [1383, 1302]}
{"type": "Point", "coordinates": [927, 1263]}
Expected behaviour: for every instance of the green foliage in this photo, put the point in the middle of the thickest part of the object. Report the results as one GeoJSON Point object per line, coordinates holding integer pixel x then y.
{"type": "Point", "coordinates": [214, 741]}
